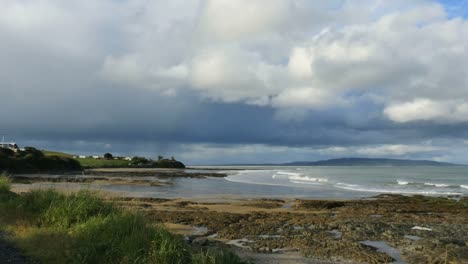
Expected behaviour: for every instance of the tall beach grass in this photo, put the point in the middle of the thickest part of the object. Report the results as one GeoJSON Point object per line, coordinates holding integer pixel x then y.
{"type": "Point", "coordinates": [5, 183]}
{"type": "Point", "coordinates": [84, 228]}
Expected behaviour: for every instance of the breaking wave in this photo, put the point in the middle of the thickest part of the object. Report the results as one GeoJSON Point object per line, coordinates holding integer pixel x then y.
{"type": "Point", "coordinates": [360, 188]}
{"type": "Point", "coordinates": [306, 180]}
{"type": "Point", "coordinates": [319, 179]}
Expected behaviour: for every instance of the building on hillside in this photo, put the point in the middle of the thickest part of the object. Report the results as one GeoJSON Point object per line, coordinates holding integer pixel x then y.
{"type": "Point", "coordinates": [9, 145]}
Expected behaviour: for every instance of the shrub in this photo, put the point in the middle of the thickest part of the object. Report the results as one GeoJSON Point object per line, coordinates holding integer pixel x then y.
{"type": "Point", "coordinates": [5, 183]}
{"type": "Point", "coordinates": [33, 160]}
{"type": "Point", "coordinates": [168, 248]}
{"type": "Point", "coordinates": [139, 161]}
{"type": "Point", "coordinates": [84, 228]}
{"type": "Point", "coordinates": [39, 201]}
{"type": "Point", "coordinates": [66, 211]}
{"type": "Point", "coordinates": [126, 238]}
{"type": "Point", "coordinates": [216, 257]}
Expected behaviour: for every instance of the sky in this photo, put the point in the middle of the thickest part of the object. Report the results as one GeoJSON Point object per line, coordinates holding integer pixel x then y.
{"type": "Point", "coordinates": [237, 81]}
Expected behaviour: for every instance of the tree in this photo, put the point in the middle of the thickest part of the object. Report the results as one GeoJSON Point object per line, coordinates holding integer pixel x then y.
{"type": "Point", "coordinates": [160, 157]}
{"type": "Point", "coordinates": [108, 156]}
{"type": "Point", "coordinates": [173, 159]}
{"type": "Point", "coordinates": [139, 161]}
{"type": "Point", "coordinates": [6, 152]}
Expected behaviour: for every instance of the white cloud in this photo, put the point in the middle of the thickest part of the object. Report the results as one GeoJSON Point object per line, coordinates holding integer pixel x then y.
{"type": "Point", "coordinates": [303, 55]}
{"type": "Point", "coordinates": [69, 29]}
{"type": "Point", "coordinates": [250, 153]}
{"type": "Point", "coordinates": [425, 109]}
{"type": "Point", "coordinates": [231, 74]}
{"type": "Point", "coordinates": [406, 56]}
{"type": "Point", "coordinates": [234, 20]}
{"type": "Point", "coordinates": [394, 150]}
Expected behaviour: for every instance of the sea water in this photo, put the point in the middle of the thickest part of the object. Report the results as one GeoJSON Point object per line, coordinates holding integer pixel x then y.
{"type": "Point", "coordinates": [430, 180]}
{"type": "Point", "coordinates": [344, 182]}
{"type": "Point", "coordinates": [314, 182]}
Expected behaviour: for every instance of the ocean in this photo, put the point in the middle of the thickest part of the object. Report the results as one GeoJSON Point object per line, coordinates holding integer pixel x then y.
{"type": "Point", "coordinates": [446, 180]}
{"type": "Point", "coordinates": [312, 182]}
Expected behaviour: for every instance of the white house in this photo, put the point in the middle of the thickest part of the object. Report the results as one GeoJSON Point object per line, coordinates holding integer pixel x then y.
{"type": "Point", "coordinates": [95, 157]}
{"type": "Point", "coordinates": [9, 145]}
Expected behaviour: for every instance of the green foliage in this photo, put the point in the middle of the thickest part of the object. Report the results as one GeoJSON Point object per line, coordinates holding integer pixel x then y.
{"type": "Point", "coordinates": [83, 228]}
{"type": "Point", "coordinates": [167, 248]}
{"type": "Point", "coordinates": [103, 163]}
{"type": "Point", "coordinates": [166, 163]}
{"type": "Point", "coordinates": [139, 161]}
{"type": "Point", "coordinates": [75, 208]}
{"type": "Point", "coordinates": [123, 237]}
{"type": "Point", "coordinates": [216, 257]}
{"type": "Point", "coordinates": [39, 201]}
{"type": "Point", "coordinates": [56, 153]}
{"type": "Point", "coordinates": [5, 183]}
{"type": "Point", "coordinates": [6, 152]}
{"type": "Point", "coordinates": [33, 160]}
{"type": "Point", "coordinates": [108, 156]}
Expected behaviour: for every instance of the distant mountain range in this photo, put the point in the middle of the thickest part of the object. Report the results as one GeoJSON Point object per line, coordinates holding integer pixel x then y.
{"type": "Point", "coordinates": [362, 162]}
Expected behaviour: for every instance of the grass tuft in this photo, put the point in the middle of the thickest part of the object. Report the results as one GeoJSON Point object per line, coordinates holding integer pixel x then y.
{"type": "Point", "coordinates": [216, 257]}
{"type": "Point", "coordinates": [5, 183]}
{"type": "Point", "coordinates": [84, 228]}
{"type": "Point", "coordinates": [75, 208]}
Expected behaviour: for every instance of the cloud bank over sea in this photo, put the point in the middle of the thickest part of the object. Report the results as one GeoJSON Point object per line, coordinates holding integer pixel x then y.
{"type": "Point", "coordinates": [256, 80]}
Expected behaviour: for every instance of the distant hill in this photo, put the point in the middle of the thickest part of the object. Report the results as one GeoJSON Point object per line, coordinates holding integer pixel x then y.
{"type": "Point", "coordinates": [356, 162]}
{"type": "Point", "coordinates": [368, 162]}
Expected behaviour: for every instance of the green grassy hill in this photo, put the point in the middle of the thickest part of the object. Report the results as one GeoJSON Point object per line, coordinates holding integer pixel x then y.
{"type": "Point", "coordinates": [56, 153]}
{"type": "Point", "coordinates": [96, 163]}
{"type": "Point", "coordinates": [88, 162]}
{"type": "Point", "coordinates": [111, 163]}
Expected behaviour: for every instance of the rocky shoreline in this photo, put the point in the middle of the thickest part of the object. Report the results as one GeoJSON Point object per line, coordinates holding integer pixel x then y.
{"type": "Point", "coordinates": [383, 229]}
{"type": "Point", "coordinates": [122, 176]}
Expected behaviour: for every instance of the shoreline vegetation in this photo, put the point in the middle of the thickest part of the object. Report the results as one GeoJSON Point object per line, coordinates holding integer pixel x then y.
{"type": "Point", "coordinates": [420, 229]}
{"type": "Point", "coordinates": [80, 226]}
{"type": "Point", "coordinates": [83, 227]}
{"type": "Point", "coordinates": [32, 160]}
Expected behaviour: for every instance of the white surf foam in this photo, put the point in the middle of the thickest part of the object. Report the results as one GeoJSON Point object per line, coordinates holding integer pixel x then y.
{"type": "Point", "coordinates": [464, 186]}
{"type": "Point", "coordinates": [306, 179]}
{"type": "Point", "coordinates": [288, 173]}
{"type": "Point", "coordinates": [402, 182]}
{"type": "Point", "coordinates": [354, 187]}
{"type": "Point", "coordinates": [436, 184]}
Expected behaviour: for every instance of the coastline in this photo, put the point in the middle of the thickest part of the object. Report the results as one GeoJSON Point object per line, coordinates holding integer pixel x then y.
{"type": "Point", "coordinates": [378, 229]}
{"type": "Point", "coordinates": [420, 229]}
